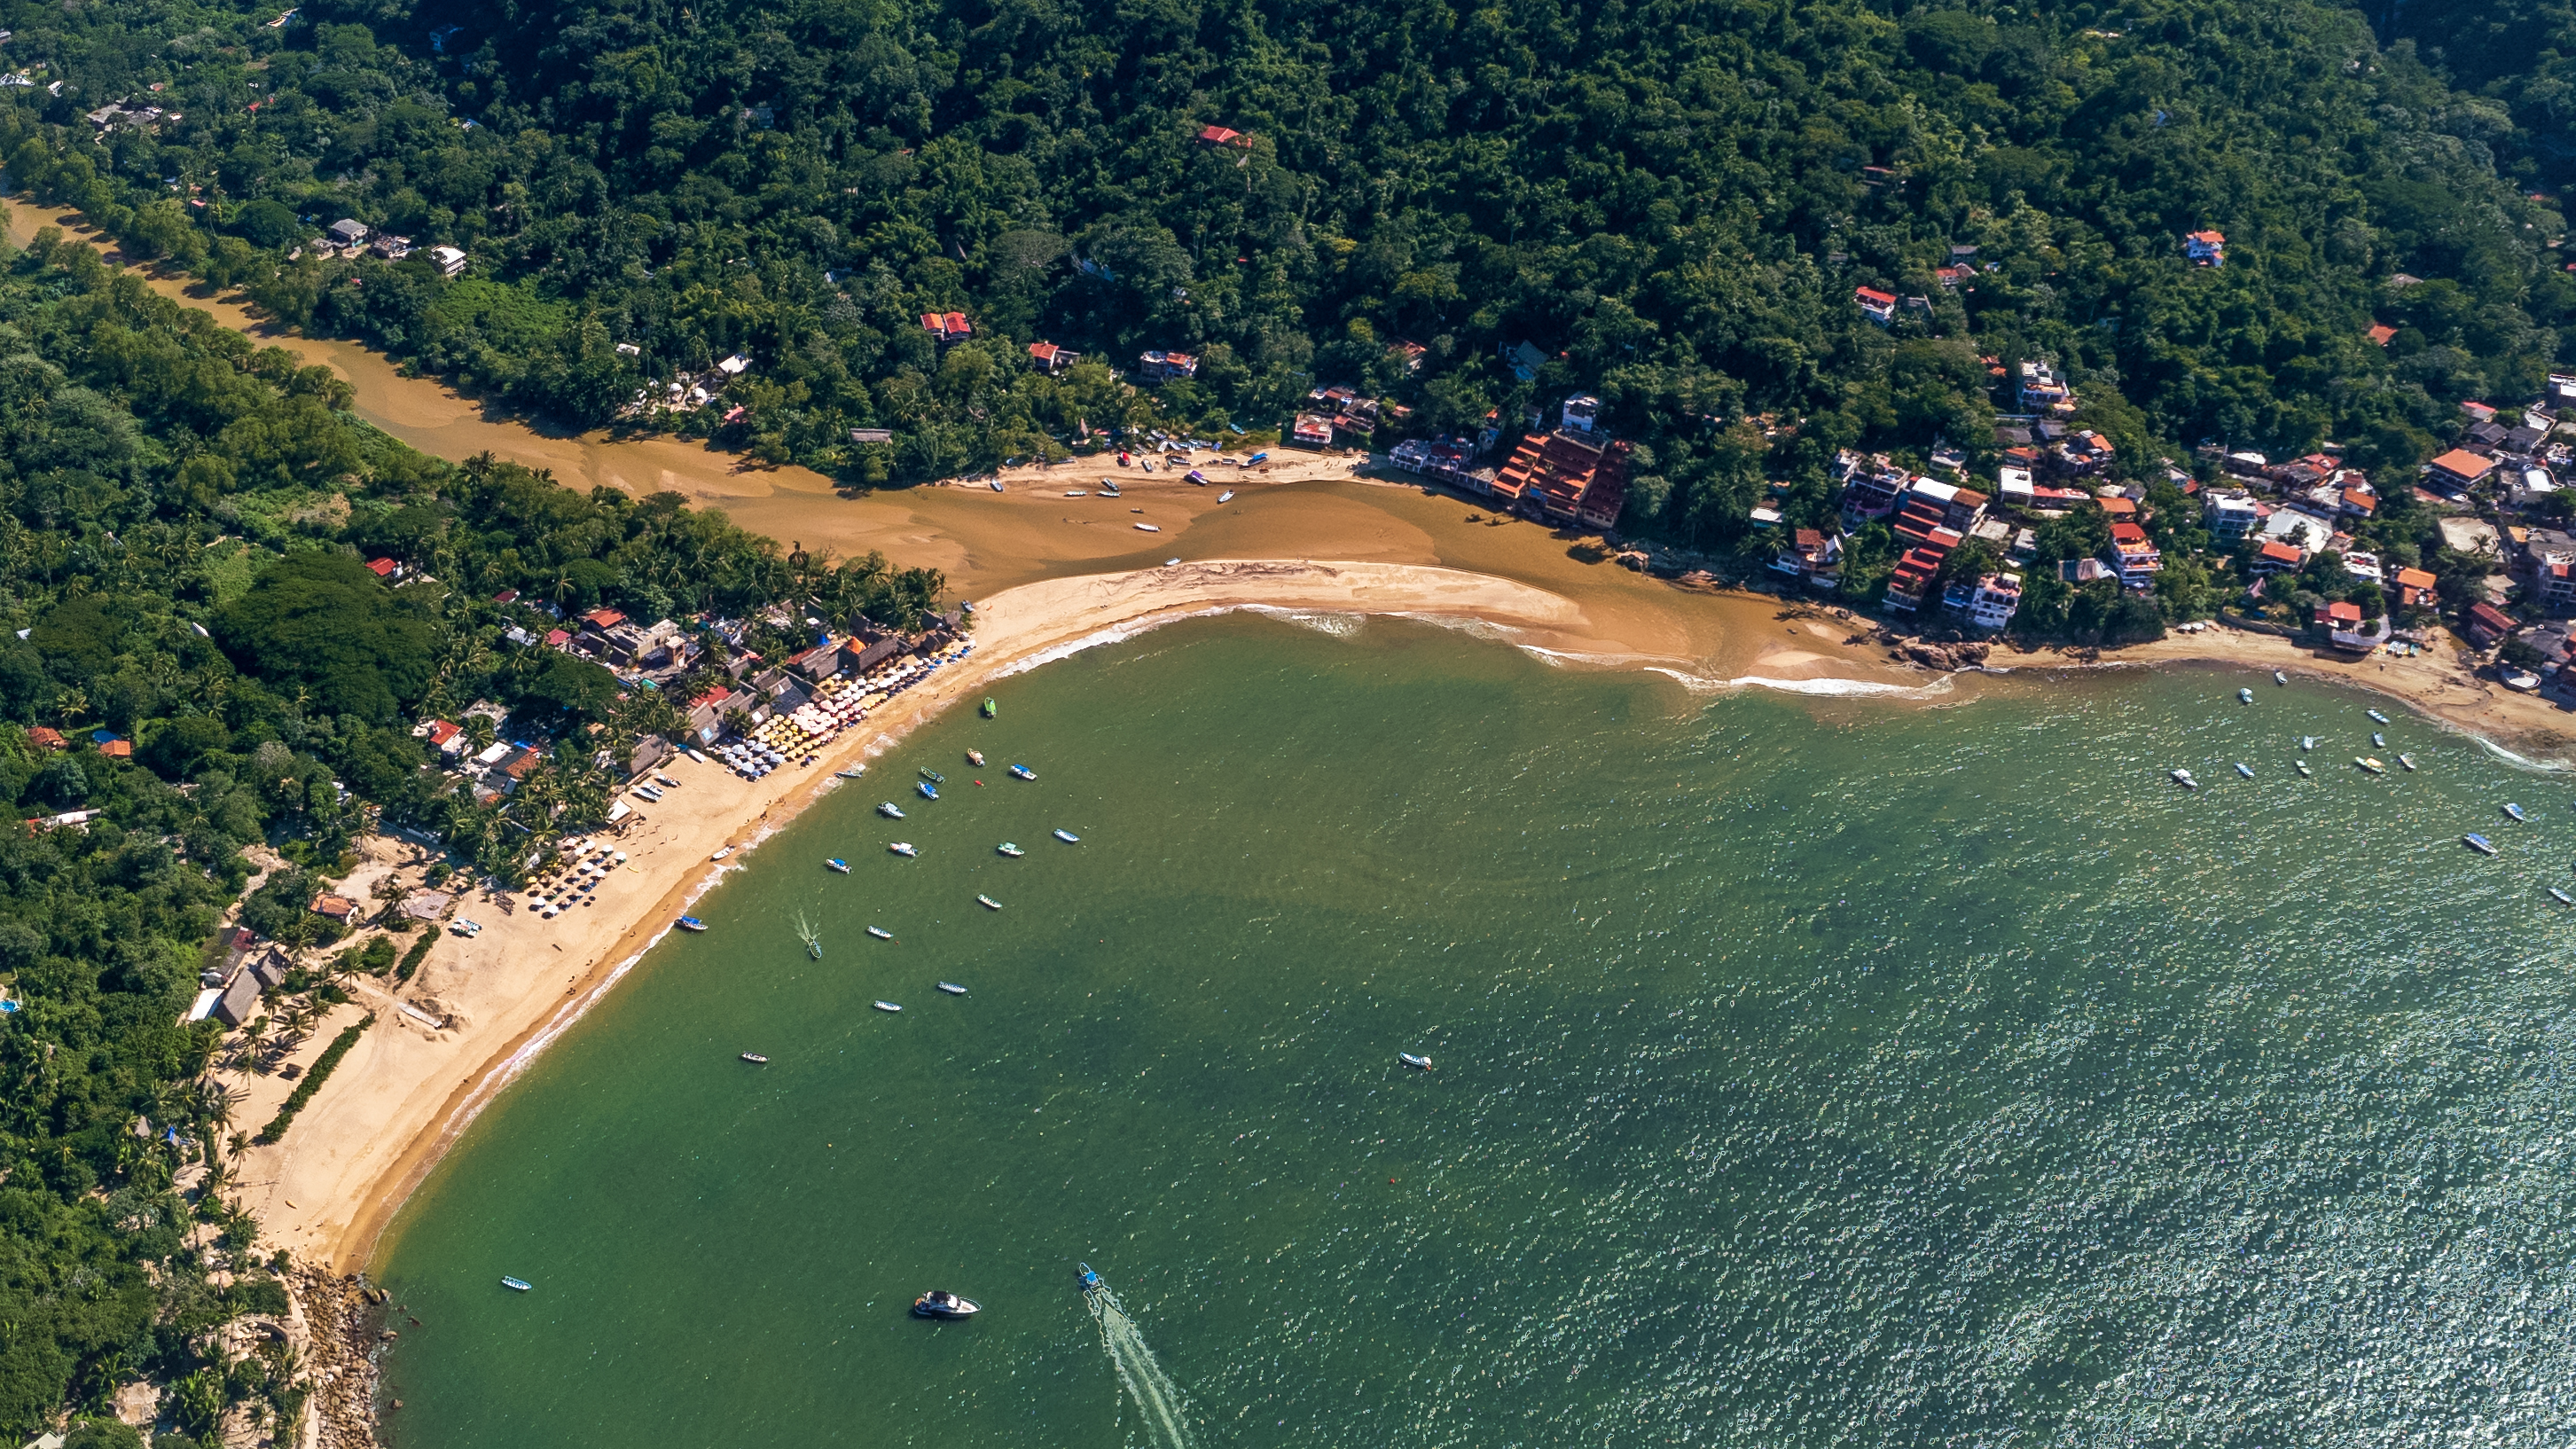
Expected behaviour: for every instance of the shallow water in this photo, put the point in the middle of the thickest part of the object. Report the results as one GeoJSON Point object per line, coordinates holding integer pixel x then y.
{"type": "Point", "coordinates": [1810, 1071]}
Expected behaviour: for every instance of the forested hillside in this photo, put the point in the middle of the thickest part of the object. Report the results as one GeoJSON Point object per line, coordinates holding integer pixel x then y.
{"type": "Point", "coordinates": [1671, 203]}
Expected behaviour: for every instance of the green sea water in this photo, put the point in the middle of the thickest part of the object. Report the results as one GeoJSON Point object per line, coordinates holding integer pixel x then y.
{"type": "Point", "coordinates": [1809, 1072]}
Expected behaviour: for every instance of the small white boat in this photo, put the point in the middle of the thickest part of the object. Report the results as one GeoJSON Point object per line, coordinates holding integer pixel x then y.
{"type": "Point", "coordinates": [700, 757]}
{"type": "Point", "coordinates": [993, 483]}
{"type": "Point", "coordinates": [2279, 677]}
{"type": "Point", "coordinates": [2245, 769]}
{"type": "Point", "coordinates": [2515, 811]}
{"type": "Point", "coordinates": [2304, 772]}
{"type": "Point", "coordinates": [1417, 1063]}
{"type": "Point", "coordinates": [881, 933]}
{"type": "Point", "coordinates": [852, 773]}
{"type": "Point", "coordinates": [1068, 837]}
{"type": "Point", "coordinates": [2378, 741]}
{"type": "Point", "coordinates": [2407, 760]}
{"type": "Point", "coordinates": [2564, 899]}
{"type": "Point", "coordinates": [2478, 843]}
{"type": "Point", "coordinates": [1077, 493]}
{"type": "Point", "coordinates": [890, 810]}
{"type": "Point", "coordinates": [939, 1303]}
{"type": "Point", "coordinates": [904, 848]}
{"type": "Point", "coordinates": [952, 988]}
{"type": "Point", "coordinates": [666, 780]}
{"type": "Point", "coordinates": [2307, 742]}
{"type": "Point", "coordinates": [2245, 696]}
{"type": "Point", "coordinates": [838, 864]}
{"type": "Point", "coordinates": [2374, 714]}
{"type": "Point", "coordinates": [516, 1285]}
{"type": "Point", "coordinates": [1147, 528]}
{"type": "Point", "coordinates": [1226, 497]}
{"type": "Point", "coordinates": [721, 852]}
{"type": "Point", "coordinates": [888, 1006]}
{"type": "Point", "coordinates": [2373, 766]}
{"type": "Point", "coordinates": [2184, 779]}
{"type": "Point", "coordinates": [1007, 848]}
{"type": "Point", "coordinates": [755, 1058]}
{"type": "Point", "coordinates": [988, 903]}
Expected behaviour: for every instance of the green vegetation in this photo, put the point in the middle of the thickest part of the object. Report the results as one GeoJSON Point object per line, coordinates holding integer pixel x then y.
{"type": "Point", "coordinates": [319, 1073]}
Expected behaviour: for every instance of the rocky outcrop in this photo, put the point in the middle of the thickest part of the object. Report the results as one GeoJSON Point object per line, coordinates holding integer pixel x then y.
{"type": "Point", "coordinates": [345, 1315]}
{"type": "Point", "coordinates": [1948, 658]}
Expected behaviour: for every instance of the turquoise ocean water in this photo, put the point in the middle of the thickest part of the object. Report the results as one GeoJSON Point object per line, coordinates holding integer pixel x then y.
{"type": "Point", "coordinates": [1809, 1072]}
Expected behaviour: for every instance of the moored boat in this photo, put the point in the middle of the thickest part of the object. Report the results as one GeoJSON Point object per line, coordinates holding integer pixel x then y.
{"type": "Point", "coordinates": [1023, 772]}
{"type": "Point", "coordinates": [2304, 772]}
{"type": "Point", "coordinates": [852, 773]}
{"type": "Point", "coordinates": [1410, 1060]}
{"type": "Point", "coordinates": [975, 758]}
{"type": "Point", "coordinates": [881, 933]}
{"type": "Point", "coordinates": [2515, 811]}
{"type": "Point", "coordinates": [2564, 899]}
{"type": "Point", "coordinates": [890, 810]}
{"type": "Point", "coordinates": [952, 988]}
{"type": "Point", "coordinates": [989, 711]}
{"type": "Point", "coordinates": [928, 790]}
{"type": "Point", "coordinates": [2245, 769]}
{"type": "Point", "coordinates": [903, 848]}
{"type": "Point", "coordinates": [2307, 742]}
{"type": "Point", "coordinates": [940, 1303]}
{"type": "Point", "coordinates": [755, 1058]}
{"type": "Point", "coordinates": [933, 776]}
{"type": "Point", "coordinates": [692, 923]}
{"type": "Point", "coordinates": [2245, 696]}
{"type": "Point", "coordinates": [2478, 843]}
{"type": "Point", "coordinates": [2278, 677]}
{"type": "Point", "coordinates": [516, 1285]}
{"type": "Point", "coordinates": [2373, 766]}
{"type": "Point", "coordinates": [838, 864]}
{"type": "Point", "coordinates": [2184, 779]}
{"type": "Point", "coordinates": [2407, 760]}
{"type": "Point", "coordinates": [1068, 837]}
{"type": "Point", "coordinates": [888, 1006]}
{"type": "Point", "coordinates": [1007, 848]}
{"type": "Point", "coordinates": [987, 902]}
{"type": "Point", "coordinates": [2374, 714]}
{"type": "Point", "coordinates": [1226, 497]}
{"type": "Point", "coordinates": [2378, 741]}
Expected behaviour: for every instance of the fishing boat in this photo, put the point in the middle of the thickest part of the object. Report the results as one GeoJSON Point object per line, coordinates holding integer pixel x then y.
{"type": "Point", "coordinates": [2184, 779]}
{"type": "Point", "coordinates": [2408, 761]}
{"type": "Point", "coordinates": [755, 1059]}
{"type": "Point", "coordinates": [928, 790]}
{"type": "Point", "coordinates": [1007, 848]}
{"type": "Point", "coordinates": [2374, 714]}
{"type": "Point", "coordinates": [940, 1303]}
{"type": "Point", "coordinates": [838, 864]}
{"type": "Point", "coordinates": [852, 773]}
{"type": "Point", "coordinates": [1068, 837]}
{"type": "Point", "coordinates": [1108, 489]}
{"type": "Point", "coordinates": [1023, 772]}
{"type": "Point", "coordinates": [888, 1006]}
{"type": "Point", "coordinates": [904, 848]}
{"type": "Point", "coordinates": [1147, 528]}
{"type": "Point", "coordinates": [988, 903]}
{"type": "Point", "coordinates": [2245, 696]}
{"type": "Point", "coordinates": [933, 776]}
{"type": "Point", "coordinates": [2373, 766]}
{"type": "Point", "coordinates": [2304, 772]}
{"type": "Point", "coordinates": [692, 923]}
{"type": "Point", "coordinates": [666, 780]}
{"type": "Point", "coordinates": [2564, 899]}
{"type": "Point", "coordinates": [1195, 476]}
{"type": "Point", "coordinates": [699, 756]}
{"type": "Point", "coordinates": [2378, 741]}
{"type": "Point", "coordinates": [2307, 742]}
{"type": "Point", "coordinates": [1077, 493]}
{"type": "Point", "coordinates": [952, 988]}
{"type": "Point", "coordinates": [1417, 1063]}
{"type": "Point", "coordinates": [2245, 769]}
{"type": "Point", "coordinates": [975, 758]}
{"type": "Point", "coordinates": [805, 933]}
{"type": "Point", "coordinates": [2278, 677]}
{"type": "Point", "coordinates": [2515, 811]}
{"type": "Point", "coordinates": [516, 1285]}
{"type": "Point", "coordinates": [1090, 1281]}
{"type": "Point", "coordinates": [881, 933]}
{"type": "Point", "coordinates": [890, 810]}
{"type": "Point", "coordinates": [1226, 497]}
{"type": "Point", "coordinates": [989, 711]}
{"type": "Point", "coordinates": [993, 483]}
{"type": "Point", "coordinates": [2478, 843]}
{"type": "Point", "coordinates": [721, 852]}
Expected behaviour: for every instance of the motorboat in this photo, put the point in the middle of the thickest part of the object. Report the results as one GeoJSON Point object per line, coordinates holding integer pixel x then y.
{"type": "Point", "coordinates": [838, 864]}
{"type": "Point", "coordinates": [933, 776]}
{"type": "Point", "coordinates": [1147, 528]}
{"type": "Point", "coordinates": [881, 933]}
{"type": "Point", "coordinates": [2515, 811]}
{"type": "Point", "coordinates": [2408, 761]}
{"type": "Point", "coordinates": [516, 1285]}
{"type": "Point", "coordinates": [1007, 848]}
{"type": "Point", "coordinates": [1226, 497]}
{"type": "Point", "coordinates": [649, 792]}
{"type": "Point", "coordinates": [1023, 772]}
{"type": "Point", "coordinates": [2307, 742]}
{"type": "Point", "coordinates": [993, 483]}
{"type": "Point", "coordinates": [1417, 1063]}
{"type": "Point", "coordinates": [692, 923]}
{"type": "Point", "coordinates": [2245, 769]}
{"type": "Point", "coordinates": [904, 849]}
{"type": "Point", "coordinates": [1068, 837]}
{"type": "Point", "coordinates": [2478, 843]}
{"type": "Point", "coordinates": [2280, 677]}
{"type": "Point", "coordinates": [1108, 489]}
{"type": "Point", "coordinates": [1090, 1281]}
{"type": "Point", "coordinates": [989, 711]}
{"type": "Point", "coordinates": [2564, 899]}
{"type": "Point", "coordinates": [2184, 779]}
{"type": "Point", "coordinates": [721, 852]}
{"type": "Point", "coordinates": [755, 1059]}
{"type": "Point", "coordinates": [852, 773]}
{"type": "Point", "coordinates": [890, 810]}
{"type": "Point", "coordinates": [940, 1303]}
{"type": "Point", "coordinates": [1077, 493]}
{"type": "Point", "coordinates": [2245, 696]}
{"type": "Point", "coordinates": [987, 902]}
{"type": "Point", "coordinates": [2304, 772]}
{"type": "Point", "coordinates": [952, 988]}
{"type": "Point", "coordinates": [975, 758]}
{"type": "Point", "coordinates": [887, 1006]}
{"type": "Point", "coordinates": [699, 756]}
{"type": "Point", "coordinates": [928, 790]}
{"type": "Point", "coordinates": [665, 781]}
{"type": "Point", "coordinates": [1195, 476]}
{"type": "Point", "coordinates": [2374, 714]}
{"type": "Point", "coordinates": [2373, 766]}
{"type": "Point", "coordinates": [2378, 741]}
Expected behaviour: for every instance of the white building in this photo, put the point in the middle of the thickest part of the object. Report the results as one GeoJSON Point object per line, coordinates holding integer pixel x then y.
{"type": "Point", "coordinates": [451, 261]}
{"type": "Point", "coordinates": [1996, 599]}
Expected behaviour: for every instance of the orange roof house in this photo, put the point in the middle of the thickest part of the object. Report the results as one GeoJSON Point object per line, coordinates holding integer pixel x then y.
{"type": "Point", "coordinates": [45, 739]}
{"type": "Point", "coordinates": [1221, 136]}
{"type": "Point", "coordinates": [117, 749]}
{"type": "Point", "coordinates": [2414, 586]}
{"type": "Point", "coordinates": [2380, 332]}
{"type": "Point", "coordinates": [336, 907]}
{"type": "Point", "coordinates": [2462, 467]}
{"type": "Point", "coordinates": [2339, 616]}
{"type": "Point", "coordinates": [1572, 478]}
{"type": "Point", "coordinates": [947, 326]}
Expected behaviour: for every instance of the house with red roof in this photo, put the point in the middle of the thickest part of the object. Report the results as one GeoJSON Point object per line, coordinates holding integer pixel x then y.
{"type": "Point", "coordinates": [2277, 557]}
{"type": "Point", "coordinates": [383, 568]}
{"type": "Point", "coordinates": [1221, 136]}
{"type": "Point", "coordinates": [1051, 359]}
{"type": "Point", "coordinates": [2414, 588]}
{"type": "Point", "coordinates": [2206, 248]}
{"type": "Point", "coordinates": [2487, 625]}
{"type": "Point", "coordinates": [1877, 306]}
{"type": "Point", "coordinates": [2136, 558]}
{"type": "Point", "coordinates": [2458, 468]}
{"type": "Point", "coordinates": [947, 327]}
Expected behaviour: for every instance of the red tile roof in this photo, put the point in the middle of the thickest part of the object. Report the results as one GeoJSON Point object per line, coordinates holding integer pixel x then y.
{"type": "Point", "coordinates": [382, 568]}
{"type": "Point", "coordinates": [2279, 552]}
{"type": "Point", "coordinates": [45, 739]}
{"type": "Point", "coordinates": [118, 749]}
{"type": "Point", "coordinates": [2463, 464]}
{"type": "Point", "coordinates": [605, 618]}
{"type": "Point", "coordinates": [1875, 297]}
{"type": "Point", "coordinates": [1221, 136]}
{"type": "Point", "coordinates": [2380, 332]}
{"type": "Point", "coordinates": [2339, 615]}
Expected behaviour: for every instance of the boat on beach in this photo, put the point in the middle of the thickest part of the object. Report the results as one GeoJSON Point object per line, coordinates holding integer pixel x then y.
{"type": "Point", "coordinates": [1417, 1063]}
{"type": "Point", "coordinates": [692, 923]}
{"type": "Point", "coordinates": [881, 933]}
{"type": "Point", "coordinates": [987, 902]}
{"type": "Point", "coordinates": [516, 1285]}
{"type": "Point", "coordinates": [1023, 772]}
{"type": "Point", "coordinates": [940, 1303]}
{"type": "Point", "coordinates": [1007, 848]}
{"type": "Point", "coordinates": [952, 988]}
{"type": "Point", "coordinates": [975, 758]}
{"type": "Point", "coordinates": [888, 1006]}
{"type": "Point", "coordinates": [838, 864]}
{"type": "Point", "coordinates": [1147, 528]}
{"type": "Point", "coordinates": [721, 852]}
{"type": "Point", "coordinates": [1068, 837]}
{"type": "Point", "coordinates": [852, 773]}
{"type": "Point", "coordinates": [755, 1059]}
{"type": "Point", "coordinates": [2478, 843]}
{"type": "Point", "coordinates": [1226, 497]}
{"type": "Point", "coordinates": [890, 810]}
{"type": "Point", "coordinates": [904, 849]}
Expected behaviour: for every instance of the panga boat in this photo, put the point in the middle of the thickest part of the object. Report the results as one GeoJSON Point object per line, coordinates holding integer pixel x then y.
{"type": "Point", "coordinates": [756, 1058]}
{"type": "Point", "coordinates": [890, 810]}
{"type": "Point", "coordinates": [852, 773]}
{"type": "Point", "coordinates": [952, 988]}
{"type": "Point", "coordinates": [2407, 760]}
{"type": "Point", "coordinates": [881, 933]}
{"type": "Point", "coordinates": [2280, 678]}
{"type": "Point", "coordinates": [2374, 714]}
{"type": "Point", "coordinates": [2378, 741]}
{"type": "Point", "coordinates": [2245, 696]}
{"type": "Point", "coordinates": [940, 1303]}
{"type": "Point", "coordinates": [988, 902]}
{"type": "Point", "coordinates": [1013, 851]}
{"type": "Point", "coordinates": [2304, 772]}
{"type": "Point", "coordinates": [904, 848]}
{"type": "Point", "coordinates": [721, 852]}
{"type": "Point", "coordinates": [838, 864]}
{"type": "Point", "coordinates": [692, 923]}
{"type": "Point", "coordinates": [1077, 493]}
{"type": "Point", "coordinates": [2307, 742]}
{"type": "Point", "coordinates": [516, 1285]}
{"type": "Point", "coordinates": [2564, 899]}
{"type": "Point", "coordinates": [1024, 772]}
{"type": "Point", "coordinates": [928, 790]}
{"type": "Point", "coordinates": [2184, 779]}
{"type": "Point", "coordinates": [993, 483]}
{"type": "Point", "coordinates": [975, 758]}
{"type": "Point", "coordinates": [2245, 769]}
{"type": "Point", "coordinates": [2478, 843]}
{"type": "Point", "coordinates": [1147, 528]}
{"type": "Point", "coordinates": [933, 776]}
{"type": "Point", "coordinates": [1410, 1060]}
{"type": "Point", "coordinates": [1068, 837]}
{"type": "Point", "coordinates": [1226, 497]}
{"type": "Point", "coordinates": [888, 1006]}
{"type": "Point", "coordinates": [989, 711]}
{"type": "Point", "coordinates": [2373, 766]}
{"type": "Point", "coordinates": [2515, 811]}
{"type": "Point", "coordinates": [1090, 1281]}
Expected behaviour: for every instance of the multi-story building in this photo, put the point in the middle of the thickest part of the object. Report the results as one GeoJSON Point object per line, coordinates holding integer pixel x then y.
{"type": "Point", "coordinates": [2134, 556]}
{"type": "Point", "coordinates": [2230, 517]}
{"type": "Point", "coordinates": [1996, 599]}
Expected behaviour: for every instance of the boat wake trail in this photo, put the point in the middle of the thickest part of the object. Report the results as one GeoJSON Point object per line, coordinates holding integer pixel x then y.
{"type": "Point", "coordinates": [1158, 1399]}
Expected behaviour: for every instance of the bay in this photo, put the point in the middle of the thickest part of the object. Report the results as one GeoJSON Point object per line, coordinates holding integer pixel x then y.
{"type": "Point", "coordinates": [1808, 1071]}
